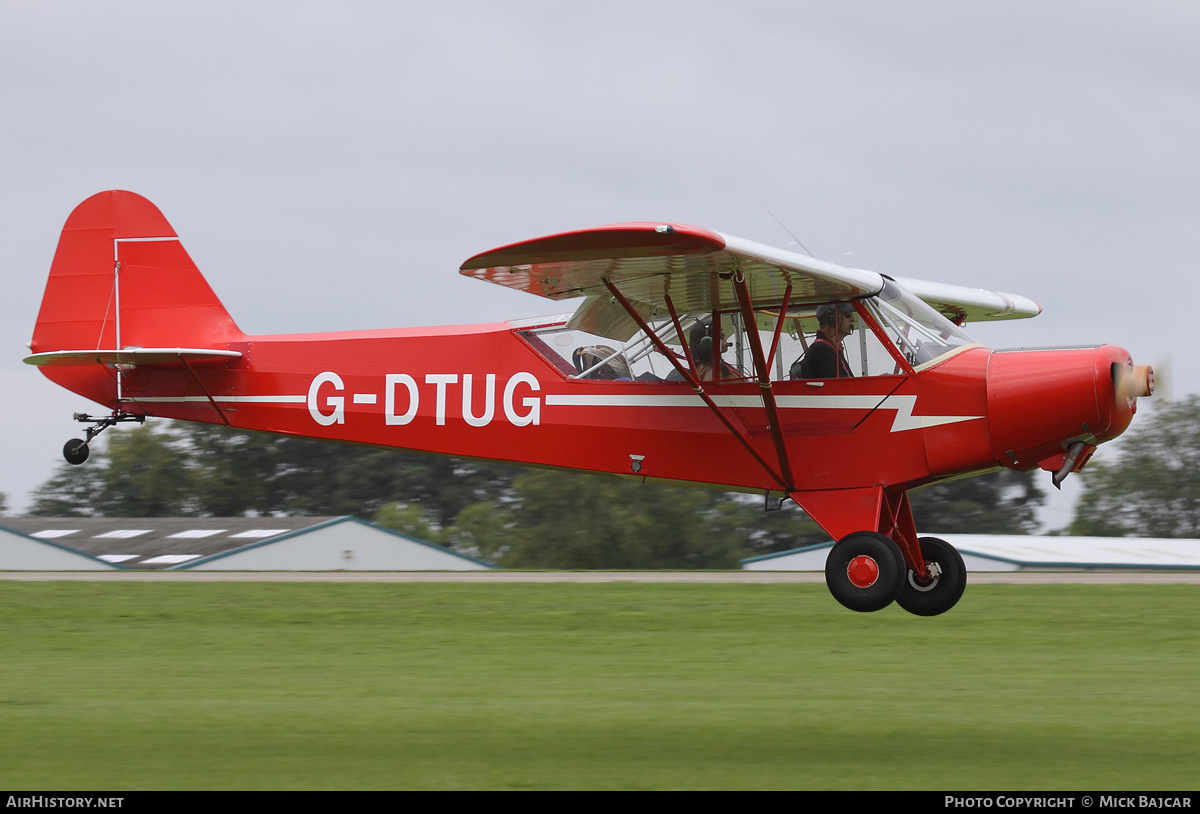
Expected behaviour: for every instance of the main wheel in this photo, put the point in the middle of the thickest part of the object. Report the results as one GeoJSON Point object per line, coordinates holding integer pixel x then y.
{"type": "Point", "coordinates": [865, 571]}
{"type": "Point", "coordinates": [943, 591]}
{"type": "Point", "coordinates": [76, 451]}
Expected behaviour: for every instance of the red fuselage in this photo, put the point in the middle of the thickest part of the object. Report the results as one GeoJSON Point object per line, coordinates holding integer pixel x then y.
{"type": "Point", "coordinates": [485, 392]}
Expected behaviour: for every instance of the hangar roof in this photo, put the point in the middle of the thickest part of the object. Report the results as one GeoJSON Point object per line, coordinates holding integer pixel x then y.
{"type": "Point", "coordinates": [155, 543]}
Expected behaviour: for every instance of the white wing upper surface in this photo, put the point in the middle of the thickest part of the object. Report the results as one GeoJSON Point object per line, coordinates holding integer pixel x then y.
{"type": "Point", "coordinates": [971, 304]}
{"type": "Point", "coordinates": [647, 262]}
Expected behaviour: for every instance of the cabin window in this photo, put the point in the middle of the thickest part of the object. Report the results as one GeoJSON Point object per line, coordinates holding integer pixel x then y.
{"type": "Point", "coordinates": [907, 328]}
{"type": "Point", "coordinates": [581, 355]}
{"type": "Point", "coordinates": [832, 340]}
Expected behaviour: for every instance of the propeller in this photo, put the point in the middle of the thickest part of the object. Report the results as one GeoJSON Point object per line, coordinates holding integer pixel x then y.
{"type": "Point", "coordinates": [1163, 378]}
{"type": "Point", "coordinates": [1133, 381]}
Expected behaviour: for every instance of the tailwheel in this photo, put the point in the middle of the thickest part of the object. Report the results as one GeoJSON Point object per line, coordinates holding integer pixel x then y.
{"type": "Point", "coordinates": [76, 450]}
{"type": "Point", "coordinates": [948, 580]}
{"type": "Point", "coordinates": [865, 571]}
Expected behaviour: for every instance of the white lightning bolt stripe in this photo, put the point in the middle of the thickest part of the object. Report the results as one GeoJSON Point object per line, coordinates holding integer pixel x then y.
{"type": "Point", "coordinates": [903, 405]}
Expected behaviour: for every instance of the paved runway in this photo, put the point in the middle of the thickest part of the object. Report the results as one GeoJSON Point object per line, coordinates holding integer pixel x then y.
{"type": "Point", "coordinates": [745, 577]}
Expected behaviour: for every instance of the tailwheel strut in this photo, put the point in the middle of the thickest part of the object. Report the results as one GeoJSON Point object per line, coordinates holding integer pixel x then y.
{"type": "Point", "coordinates": [76, 450]}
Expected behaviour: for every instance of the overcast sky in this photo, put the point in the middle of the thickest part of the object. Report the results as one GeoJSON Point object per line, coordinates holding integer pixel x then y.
{"type": "Point", "coordinates": [329, 165]}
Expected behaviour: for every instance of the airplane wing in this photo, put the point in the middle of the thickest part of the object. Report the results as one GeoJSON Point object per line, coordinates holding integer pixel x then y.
{"type": "Point", "coordinates": [647, 261]}
{"type": "Point", "coordinates": [971, 304]}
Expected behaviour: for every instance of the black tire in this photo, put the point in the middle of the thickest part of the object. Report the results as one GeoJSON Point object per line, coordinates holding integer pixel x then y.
{"type": "Point", "coordinates": [865, 571]}
{"type": "Point", "coordinates": [944, 591]}
{"type": "Point", "coordinates": [76, 451]}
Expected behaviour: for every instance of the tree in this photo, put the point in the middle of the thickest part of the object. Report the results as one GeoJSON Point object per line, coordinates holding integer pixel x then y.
{"type": "Point", "coordinates": [409, 519]}
{"type": "Point", "coordinates": [1150, 487]}
{"type": "Point", "coordinates": [202, 470]}
{"type": "Point", "coordinates": [585, 521]}
{"type": "Point", "coordinates": [594, 521]}
{"type": "Point", "coordinates": [146, 476]}
{"type": "Point", "coordinates": [3, 504]}
{"type": "Point", "coordinates": [1004, 502]}
{"type": "Point", "coordinates": [138, 474]}
{"type": "Point", "coordinates": [69, 492]}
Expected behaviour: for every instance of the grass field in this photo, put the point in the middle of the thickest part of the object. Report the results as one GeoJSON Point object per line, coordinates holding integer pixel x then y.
{"type": "Point", "coordinates": [518, 686]}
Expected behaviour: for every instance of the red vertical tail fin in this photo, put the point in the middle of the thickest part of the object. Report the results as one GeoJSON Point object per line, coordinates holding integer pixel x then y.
{"type": "Point", "coordinates": [121, 279]}
{"type": "Point", "coordinates": [120, 267]}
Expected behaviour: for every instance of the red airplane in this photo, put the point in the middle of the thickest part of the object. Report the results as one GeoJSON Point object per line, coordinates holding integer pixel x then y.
{"type": "Point", "coordinates": [694, 357]}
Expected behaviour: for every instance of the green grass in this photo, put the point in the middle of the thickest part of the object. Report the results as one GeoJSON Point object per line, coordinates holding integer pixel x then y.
{"type": "Point", "coordinates": [339, 686]}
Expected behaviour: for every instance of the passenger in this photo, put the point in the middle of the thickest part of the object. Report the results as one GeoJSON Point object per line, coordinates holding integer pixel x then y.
{"type": "Point", "coordinates": [826, 358]}
{"type": "Point", "coordinates": [700, 341]}
{"type": "Point", "coordinates": [615, 367]}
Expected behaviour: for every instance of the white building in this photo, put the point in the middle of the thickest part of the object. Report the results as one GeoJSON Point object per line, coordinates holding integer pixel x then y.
{"type": "Point", "coordinates": [21, 552]}
{"type": "Point", "coordinates": [995, 552]}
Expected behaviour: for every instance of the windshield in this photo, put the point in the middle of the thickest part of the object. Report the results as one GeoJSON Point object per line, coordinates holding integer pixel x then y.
{"type": "Point", "coordinates": [918, 331]}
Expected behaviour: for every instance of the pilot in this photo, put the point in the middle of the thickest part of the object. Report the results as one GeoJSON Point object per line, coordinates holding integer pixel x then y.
{"type": "Point", "coordinates": [826, 358]}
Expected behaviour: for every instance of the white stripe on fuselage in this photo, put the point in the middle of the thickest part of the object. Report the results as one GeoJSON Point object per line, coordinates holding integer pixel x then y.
{"type": "Point", "coordinates": [903, 405]}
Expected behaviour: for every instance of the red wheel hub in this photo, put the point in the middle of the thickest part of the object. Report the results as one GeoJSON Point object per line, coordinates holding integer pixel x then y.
{"type": "Point", "coordinates": [862, 571]}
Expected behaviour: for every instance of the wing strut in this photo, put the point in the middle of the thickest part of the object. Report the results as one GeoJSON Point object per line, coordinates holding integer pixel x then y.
{"type": "Point", "coordinates": [787, 296]}
{"type": "Point", "coordinates": [688, 376]}
{"type": "Point", "coordinates": [762, 370]}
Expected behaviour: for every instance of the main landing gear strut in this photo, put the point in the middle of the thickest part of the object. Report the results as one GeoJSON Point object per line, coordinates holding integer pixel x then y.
{"type": "Point", "coordinates": [76, 450]}
{"type": "Point", "coordinates": [866, 571]}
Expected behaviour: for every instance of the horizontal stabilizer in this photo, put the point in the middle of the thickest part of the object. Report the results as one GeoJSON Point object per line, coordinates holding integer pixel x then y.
{"type": "Point", "coordinates": [130, 356]}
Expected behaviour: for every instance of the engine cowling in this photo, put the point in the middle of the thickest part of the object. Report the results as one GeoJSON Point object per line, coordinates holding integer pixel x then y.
{"type": "Point", "coordinates": [1043, 402]}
